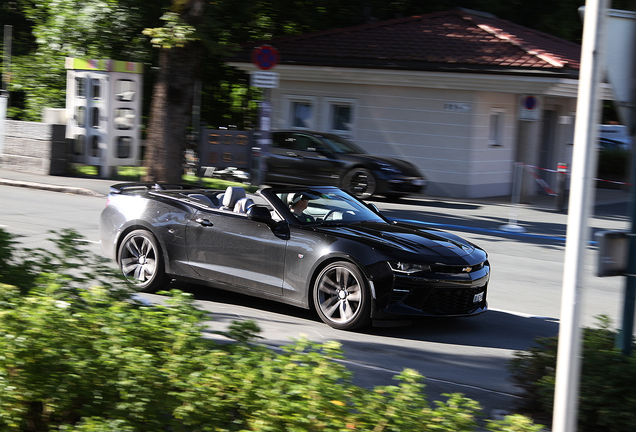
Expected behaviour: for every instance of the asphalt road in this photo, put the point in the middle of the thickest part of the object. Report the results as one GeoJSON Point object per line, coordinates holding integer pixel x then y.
{"type": "Point", "coordinates": [455, 355]}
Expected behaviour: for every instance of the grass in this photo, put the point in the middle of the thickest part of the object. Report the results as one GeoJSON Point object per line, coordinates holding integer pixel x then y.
{"type": "Point", "coordinates": [134, 174]}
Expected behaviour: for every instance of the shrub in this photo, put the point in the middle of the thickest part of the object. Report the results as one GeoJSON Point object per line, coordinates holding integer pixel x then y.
{"type": "Point", "coordinates": [607, 397]}
{"type": "Point", "coordinates": [613, 164]}
{"type": "Point", "coordinates": [78, 356]}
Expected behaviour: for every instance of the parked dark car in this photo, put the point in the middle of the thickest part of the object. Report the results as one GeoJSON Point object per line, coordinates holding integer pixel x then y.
{"type": "Point", "coordinates": [313, 247]}
{"type": "Point", "coordinates": [312, 158]}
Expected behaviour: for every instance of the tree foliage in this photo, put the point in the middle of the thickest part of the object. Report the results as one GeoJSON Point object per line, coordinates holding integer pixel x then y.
{"type": "Point", "coordinates": [607, 397]}
{"type": "Point", "coordinates": [74, 28]}
{"type": "Point", "coordinates": [115, 29]}
{"type": "Point", "coordinates": [80, 352]}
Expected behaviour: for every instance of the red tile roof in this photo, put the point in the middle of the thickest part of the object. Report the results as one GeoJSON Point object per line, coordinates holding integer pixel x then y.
{"type": "Point", "coordinates": [456, 39]}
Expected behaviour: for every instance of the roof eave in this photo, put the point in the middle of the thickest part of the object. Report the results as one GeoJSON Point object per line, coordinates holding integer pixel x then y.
{"type": "Point", "coordinates": [564, 72]}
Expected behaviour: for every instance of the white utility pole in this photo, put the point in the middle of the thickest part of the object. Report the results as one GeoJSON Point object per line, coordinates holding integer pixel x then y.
{"type": "Point", "coordinates": [584, 159]}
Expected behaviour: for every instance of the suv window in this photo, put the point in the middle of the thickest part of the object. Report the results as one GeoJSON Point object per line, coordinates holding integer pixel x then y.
{"type": "Point", "coordinates": [282, 140]}
{"type": "Point", "coordinates": [306, 143]}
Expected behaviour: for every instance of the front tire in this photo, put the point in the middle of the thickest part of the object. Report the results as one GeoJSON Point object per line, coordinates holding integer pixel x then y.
{"type": "Point", "coordinates": [341, 296]}
{"type": "Point", "coordinates": [360, 182]}
{"type": "Point", "coordinates": [139, 259]}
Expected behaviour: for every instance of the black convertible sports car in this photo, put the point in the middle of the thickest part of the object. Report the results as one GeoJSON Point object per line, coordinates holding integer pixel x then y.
{"type": "Point", "coordinates": [313, 247]}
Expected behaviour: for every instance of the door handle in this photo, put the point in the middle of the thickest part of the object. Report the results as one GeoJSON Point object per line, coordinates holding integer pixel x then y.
{"type": "Point", "coordinates": [292, 154]}
{"type": "Point", "coordinates": [203, 222]}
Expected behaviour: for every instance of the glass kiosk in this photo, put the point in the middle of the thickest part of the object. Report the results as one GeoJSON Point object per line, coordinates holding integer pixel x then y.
{"type": "Point", "coordinates": [103, 111]}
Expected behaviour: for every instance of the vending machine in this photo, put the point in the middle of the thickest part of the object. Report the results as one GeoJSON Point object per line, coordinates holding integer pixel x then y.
{"type": "Point", "coordinates": [103, 111]}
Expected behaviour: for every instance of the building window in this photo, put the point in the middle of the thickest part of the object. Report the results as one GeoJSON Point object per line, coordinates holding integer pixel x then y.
{"type": "Point", "coordinates": [97, 88]}
{"type": "Point", "coordinates": [78, 145]}
{"type": "Point", "coordinates": [341, 118]}
{"type": "Point", "coordinates": [80, 87]}
{"type": "Point", "coordinates": [80, 116]}
{"type": "Point", "coordinates": [302, 115]}
{"type": "Point", "coordinates": [338, 116]}
{"type": "Point", "coordinates": [95, 117]}
{"type": "Point", "coordinates": [124, 118]}
{"type": "Point", "coordinates": [125, 90]}
{"type": "Point", "coordinates": [123, 147]}
{"type": "Point", "coordinates": [495, 138]}
{"type": "Point", "coordinates": [94, 150]}
{"type": "Point", "coordinates": [299, 112]}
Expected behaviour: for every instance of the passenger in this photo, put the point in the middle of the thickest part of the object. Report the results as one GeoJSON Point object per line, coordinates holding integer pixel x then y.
{"type": "Point", "coordinates": [298, 205]}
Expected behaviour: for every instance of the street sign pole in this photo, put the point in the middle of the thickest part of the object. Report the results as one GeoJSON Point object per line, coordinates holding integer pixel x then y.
{"type": "Point", "coordinates": [584, 159]}
{"type": "Point", "coordinates": [621, 67]}
{"type": "Point", "coordinates": [265, 57]}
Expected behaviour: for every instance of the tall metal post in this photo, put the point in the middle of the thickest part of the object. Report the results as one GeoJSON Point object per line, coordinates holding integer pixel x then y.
{"type": "Point", "coordinates": [4, 94]}
{"type": "Point", "coordinates": [621, 67]}
{"type": "Point", "coordinates": [584, 160]}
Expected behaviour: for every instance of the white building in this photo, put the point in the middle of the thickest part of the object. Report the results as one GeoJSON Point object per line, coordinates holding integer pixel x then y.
{"type": "Point", "coordinates": [462, 94]}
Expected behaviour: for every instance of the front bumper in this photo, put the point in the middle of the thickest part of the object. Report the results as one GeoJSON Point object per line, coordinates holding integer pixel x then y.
{"type": "Point", "coordinates": [437, 295]}
{"type": "Point", "coordinates": [404, 185]}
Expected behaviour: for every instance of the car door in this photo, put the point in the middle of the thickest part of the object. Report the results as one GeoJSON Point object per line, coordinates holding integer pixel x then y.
{"type": "Point", "coordinates": [300, 158]}
{"type": "Point", "coordinates": [282, 160]}
{"type": "Point", "coordinates": [230, 249]}
{"type": "Point", "coordinates": [317, 164]}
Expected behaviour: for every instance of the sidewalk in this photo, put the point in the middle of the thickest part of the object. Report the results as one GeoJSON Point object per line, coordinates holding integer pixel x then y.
{"type": "Point", "coordinates": [100, 187]}
{"type": "Point", "coordinates": [74, 185]}
{"type": "Point", "coordinates": [609, 201]}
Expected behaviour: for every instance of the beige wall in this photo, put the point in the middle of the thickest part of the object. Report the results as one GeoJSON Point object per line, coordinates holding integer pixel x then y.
{"type": "Point", "coordinates": [426, 126]}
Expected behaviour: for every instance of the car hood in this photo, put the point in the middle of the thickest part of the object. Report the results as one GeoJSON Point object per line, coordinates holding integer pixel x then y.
{"type": "Point", "coordinates": [405, 167]}
{"type": "Point", "coordinates": [405, 238]}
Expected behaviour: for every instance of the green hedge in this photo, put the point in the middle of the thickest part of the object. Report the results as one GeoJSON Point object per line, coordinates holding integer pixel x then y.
{"type": "Point", "coordinates": [607, 399]}
{"type": "Point", "coordinates": [78, 352]}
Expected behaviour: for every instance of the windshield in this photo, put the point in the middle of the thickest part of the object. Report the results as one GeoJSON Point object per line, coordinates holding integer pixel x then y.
{"type": "Point", "coordinates": [327, 206]}
{"type": "Point", "coordinates": [340, 145]}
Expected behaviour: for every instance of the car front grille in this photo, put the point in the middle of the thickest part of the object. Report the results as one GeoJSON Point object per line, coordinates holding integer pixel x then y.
{"type": "Point", "coordinates": [454, 301]}
{"type": "Point", "coordinates": [456, 269]}
{"type": "Point", "coordinates": [439, 295]}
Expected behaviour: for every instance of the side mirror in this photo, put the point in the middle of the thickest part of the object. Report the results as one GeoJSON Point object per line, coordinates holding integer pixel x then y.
{"type": "Point", "coordinates": [259, 214]}
{"type": "Point", "coordinates": [373, 208]}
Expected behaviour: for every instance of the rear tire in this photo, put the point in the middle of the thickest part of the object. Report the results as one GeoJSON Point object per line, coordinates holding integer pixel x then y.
{"type": "Point", "coordinates": [140, 261]}
{"type": "Point", "coordinates": [341, 296]}
{"type": "Point", "coordinates": [360, 182]}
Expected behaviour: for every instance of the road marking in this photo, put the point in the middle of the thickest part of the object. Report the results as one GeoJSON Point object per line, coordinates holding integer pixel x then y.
{"type": "Point", "coordinates": [481, 230]}
{"type": "Point", "coordinates": [396, 372]}
{"type": "Point", "coordinates": [88, 241]}
{"type": "Point", "coordinates": [524, 315]}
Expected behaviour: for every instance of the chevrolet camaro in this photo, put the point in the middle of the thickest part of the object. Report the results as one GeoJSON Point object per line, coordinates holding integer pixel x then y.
{"type": "Point", "coordinates": [318, 248]}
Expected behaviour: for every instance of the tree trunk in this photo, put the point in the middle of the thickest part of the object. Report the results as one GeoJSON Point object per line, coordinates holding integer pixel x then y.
{"type": "Point", "coordinates": [171, 107]}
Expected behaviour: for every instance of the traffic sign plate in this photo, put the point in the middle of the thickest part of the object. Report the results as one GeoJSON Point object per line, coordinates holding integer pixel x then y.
{"type": "Point", "coordinates": [264, 79]}
{"type": "Point", "coordinates": [265, 57]}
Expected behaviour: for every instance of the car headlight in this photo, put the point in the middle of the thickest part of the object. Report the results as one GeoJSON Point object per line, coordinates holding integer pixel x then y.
{"type": "Point", "coordinates": [383, 166]}
{"type": "Point", "coordinates": [408, 268]}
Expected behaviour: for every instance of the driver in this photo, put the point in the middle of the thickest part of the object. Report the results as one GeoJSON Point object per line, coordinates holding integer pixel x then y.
{"type": "Point", "coordinates": [298, 204]}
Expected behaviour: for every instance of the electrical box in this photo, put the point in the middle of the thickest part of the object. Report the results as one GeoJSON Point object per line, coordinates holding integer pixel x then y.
{"type": "Point", "coordinates": [612, 252]}
{"type": "Point", "coordinates": [103, 112]}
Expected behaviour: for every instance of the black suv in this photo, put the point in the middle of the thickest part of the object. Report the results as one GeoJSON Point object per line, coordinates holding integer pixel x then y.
{"type": "Point", "coordinates": [317, 159]}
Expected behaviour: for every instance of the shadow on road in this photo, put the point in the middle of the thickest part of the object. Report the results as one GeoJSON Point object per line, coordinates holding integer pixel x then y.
{"type": "Point", "coordinates": [493, 329]}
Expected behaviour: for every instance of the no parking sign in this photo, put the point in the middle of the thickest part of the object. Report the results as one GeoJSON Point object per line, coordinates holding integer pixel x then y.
{"type": "Point", "coordinates": [529, 108]}
{"type": "Point", "coordinates": [265, 57]}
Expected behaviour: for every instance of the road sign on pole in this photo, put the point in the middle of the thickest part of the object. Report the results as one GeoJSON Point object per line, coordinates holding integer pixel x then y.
{"type": "Point", "coordinates": [265, 57]}
{"type": "Point", "coordinates": [264, 79]}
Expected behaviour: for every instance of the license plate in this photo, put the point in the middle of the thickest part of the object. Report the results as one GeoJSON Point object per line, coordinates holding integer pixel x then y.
{"type": "Point", "coordinates": [478, 297]}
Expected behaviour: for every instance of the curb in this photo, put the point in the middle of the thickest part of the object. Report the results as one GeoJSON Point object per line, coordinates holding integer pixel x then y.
{"type": "Point", "coordinates": [54, 188]}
